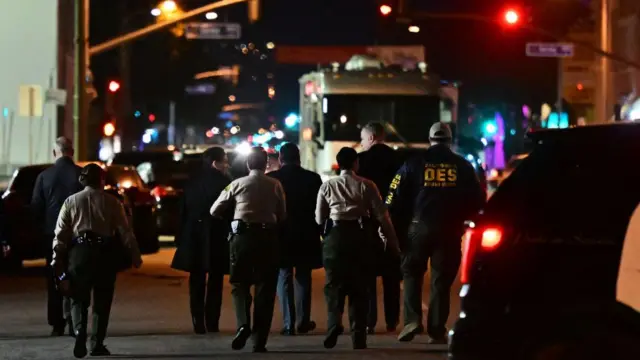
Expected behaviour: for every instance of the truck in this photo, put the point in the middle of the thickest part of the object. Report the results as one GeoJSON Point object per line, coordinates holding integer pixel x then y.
{"type": "Point", "coordinates": [336, 102]}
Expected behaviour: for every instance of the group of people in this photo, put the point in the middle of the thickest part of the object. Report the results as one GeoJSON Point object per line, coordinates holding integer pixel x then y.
{"type": "Point", "coordinates": [278, 226]}
{"type": "Point", "coordinates": [270, 231]}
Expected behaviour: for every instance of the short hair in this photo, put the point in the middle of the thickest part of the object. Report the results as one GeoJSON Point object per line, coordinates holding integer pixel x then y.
{"type": "Point", "coordinates": [376, 129]}
{"type": "Point", "coordinates": [91, 175]}
{"type": "Point", "coordinates": [290, 153]}
{"type": "Point", "coordinates": [212, 154]}
{"type": "Point", "coordinates": [64, 146]}
{"type": "Point", "coordinates": [347, 158]}
{"type": "Point", "coordinates": [257, 159]}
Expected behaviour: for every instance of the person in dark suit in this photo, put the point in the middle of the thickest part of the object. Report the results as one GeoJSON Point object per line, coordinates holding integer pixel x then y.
{"type": "Point", "coordinates": [202, 247]}
{"type": "Point", "coordinates": [53, 186]}
{"type": "Point", "coordinates": [379, 163]}
{"type": "Point", "coordinates": [301, 248]}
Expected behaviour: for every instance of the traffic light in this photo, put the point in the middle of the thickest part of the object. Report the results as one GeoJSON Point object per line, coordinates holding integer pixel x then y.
{"type": "Point", "coordinates": [490, 128]}
{"type": "Point", "coordinates": [109, 129]}
{"type": "Point", "coordinates": [511, 16]}
{"type": "Point", "coordinates": [114, 86]}
{"type": "Point", "coordinates": [386, 10]}
{"type": "Point", "coordinates": [152, 118]}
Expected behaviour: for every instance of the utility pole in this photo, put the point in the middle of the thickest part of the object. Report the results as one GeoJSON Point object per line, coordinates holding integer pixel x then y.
{"type": "Point", "coordinates": [125, 128]}
{"type": "Point", "coordinates": [80, 103]}
{"type": "Point", "coordinates": [604, 91]}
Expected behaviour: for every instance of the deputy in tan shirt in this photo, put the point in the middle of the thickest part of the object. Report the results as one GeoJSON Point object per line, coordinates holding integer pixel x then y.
{"type": "Point", "coordinates": [85, 250]}
{"type": "Point", "coordinates": [258, 205]}
{"type": "Point", "coordinates": [350, 201]}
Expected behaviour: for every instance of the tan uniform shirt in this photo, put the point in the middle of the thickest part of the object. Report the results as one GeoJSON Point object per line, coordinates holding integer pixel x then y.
{"type": "Point", "coordinates": [96, 211]}
{"type": "Point", "coordinates": [255, 198]}
{"type": "Point", "coordinates": [349, 197]}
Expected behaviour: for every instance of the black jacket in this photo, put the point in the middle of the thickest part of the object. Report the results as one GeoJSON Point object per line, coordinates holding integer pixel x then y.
{"type": "Point", "coordinates": [53, 186]}
{"type": "Point", "coordinates": [301, 244]}
{"type": "Point", "coordinates": [379, 164]}
{"type": "Point", "coordinates": [201, 240]}
{"type": "Point", "coordinates": [439, 188]}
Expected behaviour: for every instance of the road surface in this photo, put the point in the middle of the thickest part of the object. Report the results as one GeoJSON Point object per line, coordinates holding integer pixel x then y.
{"type": "Point", "coordinates": [150, 320]}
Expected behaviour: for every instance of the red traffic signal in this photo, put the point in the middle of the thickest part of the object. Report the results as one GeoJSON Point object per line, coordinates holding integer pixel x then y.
{"type": "Point", "coordinates": [109, 129]}
{"type": "Point", "coordinates": [114, 86]}
{"type": "Point", "coordinates": [385, 10]}
{"type": "Point", "coordinates": [152, 118]}
{"type": "Point", "coordinates": [511, 17]}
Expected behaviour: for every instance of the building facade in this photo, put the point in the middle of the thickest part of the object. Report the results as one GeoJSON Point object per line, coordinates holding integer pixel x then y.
{"type": "Point", "coordinates": [29, 42]}
{"type": "Point", "coordinates": [626, 43]}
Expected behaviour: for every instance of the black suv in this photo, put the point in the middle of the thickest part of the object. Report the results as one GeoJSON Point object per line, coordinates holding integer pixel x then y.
{"type": "Point", "coordinates": [540, 263]}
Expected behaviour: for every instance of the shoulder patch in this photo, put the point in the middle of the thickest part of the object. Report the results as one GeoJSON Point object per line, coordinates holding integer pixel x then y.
{"type": "Point", "coordinates": [227, 187]}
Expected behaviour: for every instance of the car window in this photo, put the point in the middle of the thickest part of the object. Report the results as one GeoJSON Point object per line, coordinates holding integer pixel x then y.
{"type": "Point", "coordinates": [170, 173]}
{"type": "Point", "coordinates": [124, 176]}
{"type": "Point", "coordinates": [24, 180]}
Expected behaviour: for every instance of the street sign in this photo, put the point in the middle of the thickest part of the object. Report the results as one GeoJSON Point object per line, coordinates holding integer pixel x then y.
{"type": "Point", "coordinates": [30, 101]}
{"type": "Point", "coordinates": [212, 31]}
{"type": "Point", "coordinates": [550, 49]}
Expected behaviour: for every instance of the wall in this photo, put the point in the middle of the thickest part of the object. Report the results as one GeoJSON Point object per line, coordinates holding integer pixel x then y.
{"type": "Point", "coordinates": [28, 44]}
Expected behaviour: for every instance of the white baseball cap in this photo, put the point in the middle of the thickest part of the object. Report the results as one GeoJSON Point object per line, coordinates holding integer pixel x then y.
{"type": "Point", "coordinates": [440, 131]}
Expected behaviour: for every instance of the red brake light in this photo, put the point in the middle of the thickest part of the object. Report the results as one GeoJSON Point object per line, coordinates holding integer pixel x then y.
{"type": "Point", "coordinates": [491, 238]}
{"type": "Point", "coordinates": [159, 191]}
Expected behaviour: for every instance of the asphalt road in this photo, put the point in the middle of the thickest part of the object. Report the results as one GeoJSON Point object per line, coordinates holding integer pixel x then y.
{"type": "Point", "coordinates": [150, 320]}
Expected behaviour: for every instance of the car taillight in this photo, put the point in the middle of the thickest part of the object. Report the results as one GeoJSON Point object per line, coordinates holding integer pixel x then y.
{"type": "Point", "coordinates": [159, 191]}
{"type": "Point", "coordinates": [486, 239]}
{"type": "Point", "coordinates": [491, 238]}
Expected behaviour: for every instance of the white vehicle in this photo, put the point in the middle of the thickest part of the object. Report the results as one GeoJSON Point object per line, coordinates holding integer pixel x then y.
{"type": "Point", "coordinates": [335, 104]}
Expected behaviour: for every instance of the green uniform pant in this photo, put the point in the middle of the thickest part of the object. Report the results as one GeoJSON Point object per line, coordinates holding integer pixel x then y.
{"type": "Point", "coordinates": [254, 262]}
{"type": "Point", "coordinates": [91, 273]}
{"type": "Point", "coordinates": [347, 269]}
{"type": "Point", "coordinates": [442, 250]}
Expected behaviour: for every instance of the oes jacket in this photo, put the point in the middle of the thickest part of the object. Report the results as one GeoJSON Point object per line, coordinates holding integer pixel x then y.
{"type": "Point", "coordinates": [438, 188]}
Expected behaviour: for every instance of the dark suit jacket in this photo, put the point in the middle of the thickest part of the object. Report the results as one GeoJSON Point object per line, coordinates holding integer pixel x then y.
{"type": "Point", "coordinates": [380, 164]}
{"type": "Point", "coordinates": [53, 186]}
{"type": "Point", "coordinates": [301, 244]}
{"type": "Point", "coordinates": [201, 239]}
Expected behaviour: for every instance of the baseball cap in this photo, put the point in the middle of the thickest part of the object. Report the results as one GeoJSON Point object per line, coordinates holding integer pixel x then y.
{"type": "Point", "coordinates": [440, 131]}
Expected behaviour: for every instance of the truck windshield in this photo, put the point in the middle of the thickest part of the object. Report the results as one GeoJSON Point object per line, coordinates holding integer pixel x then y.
{"type": "Point", "coordinates": [411, 115]}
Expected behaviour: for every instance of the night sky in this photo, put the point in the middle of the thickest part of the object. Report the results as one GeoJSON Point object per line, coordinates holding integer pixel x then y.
{"type": "Point", "coordinates": [488, 59]}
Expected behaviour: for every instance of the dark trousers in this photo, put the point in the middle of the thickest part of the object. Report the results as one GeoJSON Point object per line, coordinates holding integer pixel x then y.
{"type": "Point", "coordinates": [294, 292]}
{"type": "Point", "coordinates": [391, 278]}
{"type": "Point", "coordinates": [254, 262]}
{"type": "Point", "coordinates": [58, 306]}
{"type": "Point", "coordinates": [442, 249]}
{"type": "Point", "coordinates": [205, 298]}
{"type": "Point", "coordinates": [92, 275]}
{"type": "Point", "coordinates": [346, 276]}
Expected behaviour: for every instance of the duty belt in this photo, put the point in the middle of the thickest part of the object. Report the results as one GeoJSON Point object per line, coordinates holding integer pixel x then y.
{"type": "Point", "coordinates": [89, 238]}
{"type": "Point", "coordinates": [239, 226]}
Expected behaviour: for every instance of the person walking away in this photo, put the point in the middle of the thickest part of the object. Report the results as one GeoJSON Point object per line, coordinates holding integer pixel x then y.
{"type": "Point", "coordinates": [259, 207]}
{"type": "Point", "coordinates": [53, 186]}
{"type": "Point", "coordinates": [349, 201]}
{"type": "Point", "coordinates": [201, 242]}
{"type": "Point", "coordinates": [87, 253]}
{"type": "Point", "coordinates": [379, 163]}
{"type": "Point", "coordinates": [439, 191]}
{"type": "Point", "coordinates": [301, 248]}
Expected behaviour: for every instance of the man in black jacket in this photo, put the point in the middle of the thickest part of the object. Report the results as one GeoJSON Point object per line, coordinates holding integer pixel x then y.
{"type": "Point", "coordinates": [301, 247]}
{"type": "Point", "coordinates": [379, 163]}
{"type": "Point", "coordinates": [202, 246]}
{"type": "Point", "coordinates": [53, 186]}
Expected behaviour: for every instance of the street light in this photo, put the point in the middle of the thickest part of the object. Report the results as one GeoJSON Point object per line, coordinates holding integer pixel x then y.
{"type": "Point", "coordinates": [385, 10]}
{"type": "Point", "coordinates": [414, 29]}
{"type": "Point", "coordinates": [168, 6]}
{"type": "Point", "coordinates": [114, 86]}
{"type": "Point", "coordinates": [211, 15]}
{"type": "Point", "coordinates": [109, 129]}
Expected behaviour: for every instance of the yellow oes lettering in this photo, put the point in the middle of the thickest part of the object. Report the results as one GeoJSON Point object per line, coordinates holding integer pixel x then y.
{"type": "Point", "coordinates": [440, 175]}
{"type": "Point", "coordinates": [429, 174]}
{"type": "Point", "coordinates": [452, 175]}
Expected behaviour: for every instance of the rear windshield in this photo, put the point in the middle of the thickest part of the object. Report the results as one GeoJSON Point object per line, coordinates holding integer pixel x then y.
{"type": "Point", "coordinates": [172, 173]}
{"type": "Point", "coordinates": [128, 177]}
{"type": "Point", "coordinates": [24, 180]}
{"type": "Point", "coordinates": [586, 190]}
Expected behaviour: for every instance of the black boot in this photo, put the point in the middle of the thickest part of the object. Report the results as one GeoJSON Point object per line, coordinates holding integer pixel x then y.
{"type": "Point", "coordinates": [198, 326]}
{"type": "Point", "coordinates": [80, 348]}
{"type": "Point", "coordinates": [240, 340]}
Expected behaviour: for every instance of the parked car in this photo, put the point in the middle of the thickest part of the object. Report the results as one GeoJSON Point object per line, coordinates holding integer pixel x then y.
{"type": "Point", "coordinates": [135, 158]}
{"type": "Point", "coordinates": [167, 179]}
{"type": "Point", "coordinates": [25, 238]}
{"type": "Point", "coordinates": [540, 264]}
